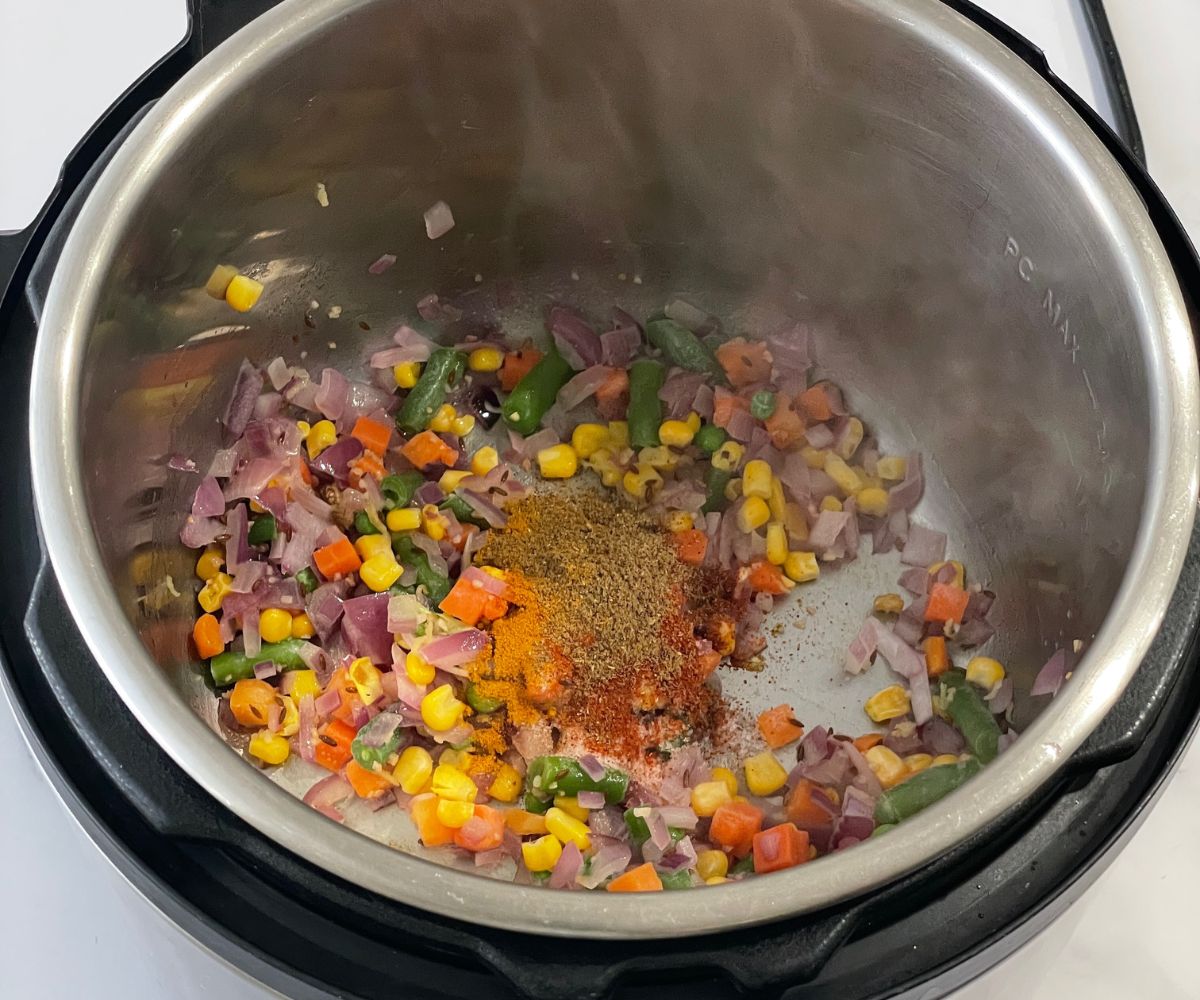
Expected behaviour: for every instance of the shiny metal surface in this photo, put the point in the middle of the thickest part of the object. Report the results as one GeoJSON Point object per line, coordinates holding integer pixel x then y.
{"type": "Point", "coordinates": [981, 277]}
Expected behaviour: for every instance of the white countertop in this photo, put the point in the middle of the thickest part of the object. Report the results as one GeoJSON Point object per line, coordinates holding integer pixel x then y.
{"type": "Point", "coordinates": [71, 926]}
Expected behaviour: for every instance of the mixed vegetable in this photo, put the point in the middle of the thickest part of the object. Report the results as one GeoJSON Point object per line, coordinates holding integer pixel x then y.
{"type": "Point", "coordinates": [348, 618]}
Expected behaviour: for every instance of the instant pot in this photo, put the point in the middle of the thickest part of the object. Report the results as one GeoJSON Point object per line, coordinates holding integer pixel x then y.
{"type": "Point", "coordinates": [1097, 514]}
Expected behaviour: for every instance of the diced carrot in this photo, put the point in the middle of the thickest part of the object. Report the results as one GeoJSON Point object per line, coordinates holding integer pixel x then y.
{"type": "Point", "coordinates": [304, 471]}
{"type": "Point", "coordinates": [612, 398]}
{"type": "Point", "coordinates": [206, 634]}
{"type": "Point", "coordinates": [373, 435]}
{"type": "Point", "coordinates": [333, 745]}
{"type": "Point", "coordinates": [250, 701]}
{"type": "Point", "coordinates": [782, 846]}
{"type": "Point", "coordinates": [432, 831]}
{"type": "Point", "coordinates": [724, 405]}
{"type": "Point", "coordinates": [337, 559]}
{"type": "Point", "coordinates": [426, 449]}
{"type": "Point", "coordinates": [525, 824]}
{"type": "Point", "coordinates": [518, 364]}
{"type": "Point", "coordinates": [643, 878]}
{"type": "Point", "coordinates": [816, 404]}
{"type": "Point", "coordinates": [786, 424]}
{"type": "Point", "coordinates": [366, 784]}
{"type": "Point", "coordinates": [946, 603]}
{"type": "Point", "coordinates": [483, 831]}
{"type": "Point", "coordinates": [867, 740]}
{"type": "Point", "coordinates": [691, 546]}
{"type": "Point", "coordinates": [494, 607]}
{"type": "Point", "coordinates": [937, 660]}
{"type": "Point", "coordinates": [779, 727]}
{"type": "Point", "coordinates": [734, 826]}
{"type": "Point", "coordinates": [466, 601]}
{"type": "Point", "coordinates": [367, 464]}
{"type": "Point", "coordinates": [745, 363]}
{"type": "Point", "coordinates": [802, 810]}
{"type": "Point", "coordinates": [767, 578]}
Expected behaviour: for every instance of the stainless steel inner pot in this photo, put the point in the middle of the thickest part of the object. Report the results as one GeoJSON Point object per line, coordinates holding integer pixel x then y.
{"type": "Point", "coordinates": [978, 271]}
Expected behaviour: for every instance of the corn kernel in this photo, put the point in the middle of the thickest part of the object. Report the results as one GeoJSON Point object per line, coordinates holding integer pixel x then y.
{"type": "Point", "coordinates": [419, 670]}
{"type": "Point", "coordinates": [451, 782]}
{"type": "Point", "coordinates": [542, 854]}
{"type": "Point", "coordinates": [814, 458]}
{"type": "Point", "coordinates": [890, 703]}
{"type": "Point", "coordinates": [442, 421]}
{"type": "Point", "coordinates": [302, 627]}
{"type": "Point", "coordinates": [777, 544]}
{"type": "Point", "coordinates": [320, 436]}
{"type": "Point", "coordinates": [886, 765]}
{"type": "Point", "coordinates": [847, 479]}
{"type": "Point", "coordinates": [754, 514]}
{"type": "Point", "coordinates": [675, 433]}
{"type": "Point", "coordinates": [567, 828]}
{"type": "Point", "coordinates": [289, 724]}
{"type": "Point", "coordinates": [463, 425]}
{"type": "Point", "coordinates": [440, 710]}
{"type": "Point", "coordinates": [558, 462]}
{"type": "Point", "coordinates": [454, 758]}
{"type": "Point", "coordinates": [802, 567]}
{"type": "Point", "coordinates": [413, 770]}
{"type": "Point", "coordinates": [570, 805]}
{"type": "Point", "coordinates": [831, 503]}
{"type": "Point", "coordinates": [587, 439]}
{"type": "Point", "coordinates": [303, 426]}
{"type": "Point", "coordinates": [658, 457]}
{"type": "Point", "coordinates": [944, 758]}
{"type": "Point", "coordinates": [764, 774]}
{"type": "Point", "coordinates": [454, 814]}
{"type": "Point", "coordinates": [450, 479]}
{"type": "Point", "coordinates": [733, 489]}
{"type": "Point", "coordinates": [270, 748]}
{"type": "Point", "coordinates": [381, 571]}
{"type": "Point", "coordinates": [212, 594]}
{"type": "Point", "coordinates": [638, 483]}
{"type": "Point", "coordinates": [984, 672]}
{"type": "Point", "coordinates": [618, 434]}
{"type": "Point", "coordinates": [872, 501]}
{"type": "Point", "coordinates": [304, 684]}
{"type": "Point", "coordinates": [709, 796]}
{"type": "Point", "coordinates": [432, 522]}
{"type": "Point", "coordinates": [485, 359]}
{"type": "Point", "coordinates": [960, 573]}
{"type": "Point", "coordinates": [506, 786]}
{"type": "Point", "coordinates": [407, 374]}
{"type": "Point", "coordinates": [274, 625]}
{"type": "Point", "coordinates": [484, 460]}
{"type": "Point", "coordinates": [209, 564]}
{"type": "Point", "coordinates": [756, 479]}
{"type": "Point", "coordinates": [367, 680]}
{"type": "Point", "coordinates": [889, 604]}
{"type": "Point", "coordinates": [917, 762]}
{"type": "Point", "coordinates": [693, 421]}
{"type": "Point", "coordinates": [243, 293]}
{"type": "Point", "coordinates": [777, 501]}
{"type": "Point", "coordinates": [712, 864]}
{"type": "Point", "coordinates": [678, 520]}
{"type": "Point", "coordinates": [404, 519]}
{"type": "Point", "coordinates": [218, 281]}
{"type": "Point", "coordinates": [716, 880]}
{"type": "Point", "coordinates": [727, 776]}
{"type": "Point", "coordinates": [369, 546]}
{"type": "Point", "coordinates": [851, 439]}
{"type": "Point", "coordinates": [892, 467]}
{"type": "Point", "coordinates": [728, 457]}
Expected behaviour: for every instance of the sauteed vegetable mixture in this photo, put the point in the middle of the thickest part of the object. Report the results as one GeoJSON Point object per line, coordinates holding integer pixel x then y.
{"type": "Point", "coordinates": [491, 588]}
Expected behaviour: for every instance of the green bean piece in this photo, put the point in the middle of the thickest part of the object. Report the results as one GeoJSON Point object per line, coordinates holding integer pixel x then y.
{"type": "Point", "coordinates": [551, 776]}
{"type": "Point", "coordinates": [462, 510]}
{"type": "Point", "coordinates": [541, 878]}
{"type": "Point", "coordinates": [363, 524]}
{"type": "Point", "coordinates": [709, 438]}
{"type": "Point", "coordinates": [481, 702]}
{"type": "Point", "coordinates": [681, 347]}
{"type": "Point", "coordinates": [715, 481]}
{"type": "Point", "coordinates": [879, 831]}
{"type": "Point", "coordinates": [442, 370]}
{"type": "Point", "coordinates": [970, 713]}
{"type": "Point", "coordinates": [762, 404]}
{"type": "Point", "coordinates": [645, 411]}
{"type": "Point", "coordinates": [231, 666]}
{"type": "Point", "coordinates": [681, 879]}
{"type": "Point", "coordinates": [307, 580]}
{"type": "Point", "coordinates": [398, 490]}
{"type": "Point", "coordinates": [639, 829]}
{"type": "Point", "coordinates": [436, 585]}
{"type": "Point", "coordinates": [262, 530]}
{"type": "Point", "coordinates": [922, 790]}
{"type": "Point", "coordinates": [536, 392]}
{"type": "Point", "coordinates": [369, 756]}
{"type": "Point", "coordinates": [535, 805]}
{"type": "Point", "coordinates": [743, 867]}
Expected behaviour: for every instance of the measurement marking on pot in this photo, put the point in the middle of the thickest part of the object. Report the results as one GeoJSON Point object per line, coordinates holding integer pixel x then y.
{"type": "Point", "coordinates": [1052, 305]}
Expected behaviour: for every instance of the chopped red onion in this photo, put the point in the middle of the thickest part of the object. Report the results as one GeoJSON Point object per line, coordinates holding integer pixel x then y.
{"type": "Point", "coordinates": [327, 702]}
{"type": "Point", "coordinates": [382, 263]}
{"type": "Point", "coordinates": [456, 649]}
{"type": "Point", "coordinates": [915, 580]}
{"type": "Point", "coordinates": [608, 822]}
{"type": "Point", "coordinates": [483, 859]}
{"type": "Point", "coordinates": [690, 316]}
{"type": "Point", "coordinates": [583, 385]}
{"type": "Point", "coordinates": [530, 446]}
{"type": "Point", "coordinates": [972, 633]}
{"type": "Point", "coordinates": [576, 341]}
{"type": "Point", "coordinates": [861, 650]}
{"type": "Point", "coordinates": [703, 402]}
{"type": "Point", "coordinates": [335, 460]}
{"type": "Point", "coordinates": [389, 357]}
{"type": "Point", "coordinates": [485, 582]}
{"type": "Point", "coordinates": [534, 740]}
{"type": "Point", "coordinates": [487, 510]}
{"type": "Point", "coordinates": [619, 347]}
{"type": "Point", "coordinates": [606, 862]}
{"type": "Point", "coordinates": [208, 501]}
{"type": "Point", "coordinates": [1050, 678]}
{"type": "Point", "coordinates": [741, 425]}
{"type": "Point", "coordinates": [905, 660]}
{"type": "Point", "coordinates": [327, 794]}
{"type": "Point", "coordinates": [680, 817]}
{"type": "Point", "coordinates": [592, 767]}
{"type": "Point", "coordinates": [590, 800]}
{"type": "Point", "coordinates": [924, 546]}
{"type": "Point", "coordinates": [416, 344]}
{"type": "Point", "coordinates": [819, 436]}
{"type": "Point", "coordinates": [789, 350]}
{"type": "Point", "coordinates": [1007, 739]}
{"type": "Point", "coordinates": [1000, 697]}
{"type": "Point", "coordinates": [364, 624]}
{"type": "Point", "coordinates": [237, 548]}
{"type": "Point", "coordinates": [306, 735]}
{"type": "Point", "coordinates": [829, 526]}
{"type": "Point", "coordinates": [939, 737]}
{"type": "Point", "coordinates": [325, 608]}
{"type": "Point", "coordinates": [247, 576]}
{"type": "Point", "coordinates": [331, 394]}
{"type": "Point", "coordinates": [906, 495]}
{"type": "Point", "coordinates": [264, 669]}
{"type": "Point", "coordinates": [679, 391]}
{"type": "Point", "coordinates": [439, 220]}
{"type": "Point", "coordinates": [903, 738]}
{"type": "Point", "coordinates": [246, 387]}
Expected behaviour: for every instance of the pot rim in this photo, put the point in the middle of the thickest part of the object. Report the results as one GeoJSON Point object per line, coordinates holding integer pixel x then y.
{"type": "Point", "coordinates": [1104, 671]}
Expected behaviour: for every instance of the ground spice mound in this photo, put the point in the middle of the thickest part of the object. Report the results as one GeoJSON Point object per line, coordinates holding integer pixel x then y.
{"type": "Point", "coordinates": [604, 634]}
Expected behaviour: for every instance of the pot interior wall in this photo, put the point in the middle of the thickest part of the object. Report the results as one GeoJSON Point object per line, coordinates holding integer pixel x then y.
{"type": "Point", "coordinates": [815, 160]}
